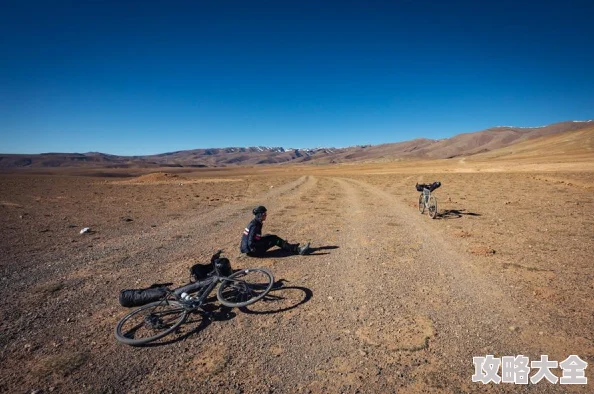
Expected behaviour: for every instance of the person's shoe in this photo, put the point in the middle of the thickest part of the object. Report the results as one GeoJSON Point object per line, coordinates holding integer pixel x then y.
{"type": "Point", "coordinates": [303, 249]}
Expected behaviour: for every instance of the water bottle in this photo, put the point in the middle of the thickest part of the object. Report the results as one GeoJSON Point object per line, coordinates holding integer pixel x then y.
{"type": "Point", "coordinates": [185, 297]}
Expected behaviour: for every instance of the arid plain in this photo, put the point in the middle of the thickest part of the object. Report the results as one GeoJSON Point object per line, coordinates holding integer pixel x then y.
{"type": "Point", "coordinates": [389, 300]}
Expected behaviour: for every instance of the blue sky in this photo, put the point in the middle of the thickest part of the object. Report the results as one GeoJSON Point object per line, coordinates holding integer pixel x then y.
{"type": "Point", "coordinates": [144, 77]}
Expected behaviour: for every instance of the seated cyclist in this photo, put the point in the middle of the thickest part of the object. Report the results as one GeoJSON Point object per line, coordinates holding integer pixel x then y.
{"type": "Point", "coordinates": [253, 243]}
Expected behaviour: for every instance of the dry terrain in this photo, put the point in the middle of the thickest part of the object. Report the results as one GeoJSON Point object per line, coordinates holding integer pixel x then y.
{"type": "Point", "coordinates": [389, 300]}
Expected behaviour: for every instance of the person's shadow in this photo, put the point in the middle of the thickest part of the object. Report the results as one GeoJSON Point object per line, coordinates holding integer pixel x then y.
{"type": "Point", "coordinates": [313, 251]}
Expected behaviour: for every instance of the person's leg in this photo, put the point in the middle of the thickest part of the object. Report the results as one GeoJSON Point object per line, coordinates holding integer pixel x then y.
{"type": "Point", "coordinates": [264, 243]}
{"type": "Point", "coordinates": [271, 240]}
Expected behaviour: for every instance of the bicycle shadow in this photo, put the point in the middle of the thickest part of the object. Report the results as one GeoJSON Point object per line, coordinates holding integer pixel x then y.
{"type": "Point", "coordinates": [280, 299]}
{"type": "Point", "coordinates": [455, 214]}
{"type": "Point", "coordinates": [210, 314]}
{"type": "Point", "coordinates": [313, 251]}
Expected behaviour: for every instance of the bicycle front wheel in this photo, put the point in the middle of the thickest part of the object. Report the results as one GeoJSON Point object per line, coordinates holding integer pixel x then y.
{"type": "Point", "coordinates": [245, 287]}
{"type": "Point", "coordinates": [150, 322]}
{"type": "Point", "coordinates": [432, 207]}
{"type": "Point", "coordinates": [421, 203]}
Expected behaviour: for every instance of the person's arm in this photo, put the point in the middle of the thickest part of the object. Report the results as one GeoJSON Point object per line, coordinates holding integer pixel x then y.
{"type": "Point", "coordinates": [252, 236]}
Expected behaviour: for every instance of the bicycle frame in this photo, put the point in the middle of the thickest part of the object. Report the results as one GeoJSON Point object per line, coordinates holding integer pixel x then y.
{"type": "Point", "coordinates": [426, 196]}
{"type": "Point", "coordinates": [425, 199]}
{"type": "Point", "coordinates": [201, 288]}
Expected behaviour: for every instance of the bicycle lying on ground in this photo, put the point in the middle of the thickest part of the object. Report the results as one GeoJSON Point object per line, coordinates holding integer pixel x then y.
{"type": "Point", "coordinates": [153, 321]}
{"type": "Point", "coordinates": [426, 200]}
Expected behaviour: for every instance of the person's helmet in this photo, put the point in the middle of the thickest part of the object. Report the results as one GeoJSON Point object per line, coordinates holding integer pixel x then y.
{"type": "Point", "coordinates": [223, 266]}
{"type": "Point", "coordinates": [259, 210]}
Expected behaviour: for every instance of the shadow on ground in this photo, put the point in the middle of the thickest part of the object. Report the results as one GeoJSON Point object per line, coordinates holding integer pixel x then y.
{"type": "Point", "coordinates": [280, 299]}
{"type": "Point", "coordinates": [313, 251]}
{"type": "Point", "coordinates": [455, 214]}
{"type": "Point", "coordinates": [195, 323]}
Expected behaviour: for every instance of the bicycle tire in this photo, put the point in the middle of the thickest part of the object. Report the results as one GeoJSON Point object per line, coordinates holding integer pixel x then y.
{"type": "Point", "coordinates": [432, 207]}
{"type": "Point", "coordinates": [421, 203]}
{"type": "Point", "coordinates": [238, 290]}
{"type": "Point", "coordinates": [151, 311]}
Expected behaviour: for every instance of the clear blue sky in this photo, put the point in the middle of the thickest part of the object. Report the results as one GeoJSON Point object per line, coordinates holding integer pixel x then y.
{"type": "Point", "coordinates": [145, 77]}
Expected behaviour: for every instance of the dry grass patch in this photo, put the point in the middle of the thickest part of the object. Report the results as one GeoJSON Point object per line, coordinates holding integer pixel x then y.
{"type": "Point", "coordinates": [462, 234]}
{"type": "Point", "coordinates": [50, 288]}
{"type": "Point", "coordinates": [60, 365]}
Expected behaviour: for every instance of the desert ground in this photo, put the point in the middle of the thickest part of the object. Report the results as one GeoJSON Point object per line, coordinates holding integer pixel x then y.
{"type": "Point", "coordinates": [388, 301]}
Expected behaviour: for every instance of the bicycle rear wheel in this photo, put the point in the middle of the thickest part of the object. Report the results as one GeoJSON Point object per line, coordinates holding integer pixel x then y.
{"type": "Point", "coordinates": [245, 287]}
{"type": "Point", "coordinates": [432, 207]}
{"type": "Point", "coordinates": [150, 322]}
{"type": "Point", "coordinates": [421, 203]}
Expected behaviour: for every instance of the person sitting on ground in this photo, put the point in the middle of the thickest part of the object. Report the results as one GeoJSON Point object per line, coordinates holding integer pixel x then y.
{"type": "Point", "coordinates": [253, 243]}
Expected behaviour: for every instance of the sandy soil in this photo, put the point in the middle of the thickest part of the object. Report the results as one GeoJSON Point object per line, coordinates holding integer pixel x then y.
{"type": "Point", "coordinates": [389, 300]}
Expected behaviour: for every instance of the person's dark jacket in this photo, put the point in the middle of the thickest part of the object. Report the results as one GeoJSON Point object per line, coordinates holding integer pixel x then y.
{"type": "Point", "coordinates": [252, 233]}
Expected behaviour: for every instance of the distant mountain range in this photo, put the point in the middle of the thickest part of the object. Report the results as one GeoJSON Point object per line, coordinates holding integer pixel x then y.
{"type": "Point", "coordinates": [461, 145]}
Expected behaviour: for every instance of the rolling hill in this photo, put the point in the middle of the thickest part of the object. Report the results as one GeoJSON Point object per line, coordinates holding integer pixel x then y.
{"type": "Point", "coordinates": [495, 142]}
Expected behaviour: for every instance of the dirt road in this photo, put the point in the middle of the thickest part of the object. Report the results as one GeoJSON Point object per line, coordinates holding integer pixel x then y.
{"type": "Point", "coordinates": [389, 300]}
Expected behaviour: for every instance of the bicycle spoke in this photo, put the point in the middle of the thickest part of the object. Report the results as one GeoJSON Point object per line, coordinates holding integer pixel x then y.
{"type": "Point", "coordinates": [150, 322]}
{"type": "Point", "coordinates": [245, 287]}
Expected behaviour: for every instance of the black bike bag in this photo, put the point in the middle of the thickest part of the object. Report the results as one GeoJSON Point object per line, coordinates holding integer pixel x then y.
{"type": "Point", "coordinates": [431, 187]}
{"type": "Point", "coordinates": [434, 185]}
{"type": "Point", "coordinates": [200, 272]}
{"type": "Point", "coordinates": [138, 297]}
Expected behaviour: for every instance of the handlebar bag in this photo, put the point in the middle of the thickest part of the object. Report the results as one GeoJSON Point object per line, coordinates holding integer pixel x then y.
{"type": "Point", "coordinates": [200, 272]}
{"type": "Point", "coordinates": [434, 186]}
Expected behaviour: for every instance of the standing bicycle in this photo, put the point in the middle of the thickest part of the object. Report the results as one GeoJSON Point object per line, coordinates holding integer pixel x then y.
{"type": "Point", "coordinates": [160, 318]}
{"type": "Point", "coordinates": [426, 200]}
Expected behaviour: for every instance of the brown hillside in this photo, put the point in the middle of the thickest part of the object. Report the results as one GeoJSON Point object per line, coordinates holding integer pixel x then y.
{"type": "Point", "coordinates": [571, 145]}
